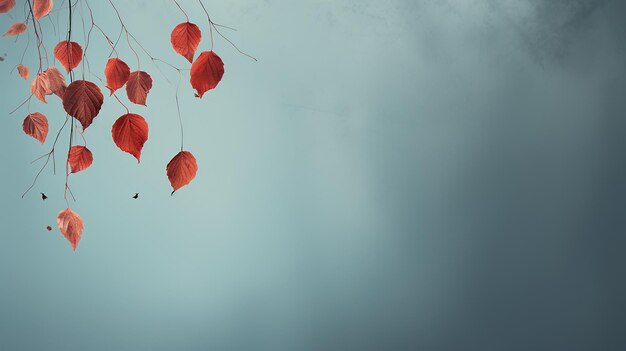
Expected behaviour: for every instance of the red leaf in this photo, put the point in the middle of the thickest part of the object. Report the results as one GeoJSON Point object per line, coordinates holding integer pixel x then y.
{"type": "Point", "coordinates": [16, 28]}
{"type": "Point", "coordinates": [71, 225]}
{"type": "Point", "coordinates": [129, 133]}
{"type": "Point", "coordinates": [36, 125]}
{"type": "Point", "coordinates": [41, 8]}
{"type": "Point", "coordinates": [39, 87]}
{"type": "Point", "coordinates": [69, 54]}
{"type": "Point", "coordinates": [137, 88]}
{"type": "Point", "coordinates": [83, 100]}
{"type": "Point", "coordinates": [23, 71]}
{"type": "Point", "coordinates": [185, 39]}
{"type": "Point", "coordinates": [6, 5]}
{"type": "Point", "coordinates": [79, 158]}
{"type": "Point", "coordinates": [56, 82]}
{"type": "Point", "coordinates": [206, 72]}
{"type": "Point", "coordinates": [116, 73]}
{"type": "Point", "coordinates": [181, 170]}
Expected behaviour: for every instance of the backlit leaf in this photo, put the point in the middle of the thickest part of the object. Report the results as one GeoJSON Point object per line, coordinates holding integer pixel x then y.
{"type": "Point", "coordinates": [181, 170]}
{"type": "Point", "coordinates": [39, 87]}
{"type": "Point", "coordinates": [23, 71]}
{"type": "Point", "coordinates": [56, 82]}
{"type": "Point", "coordinates": [116, 73]}
{"type": "Point", "coordinates": [42, 8]}
{"type": "Point", "coordinates": [206, 72]}
{"type": "Point", "coordinates": [6, 5]}
{"type": "Point", "coordinates": [130, 133]}
{"type": "Point", "coordinates": [69, 54]}
{"type": "Point", "coordinates": [36, 125]}
{"type": "Point", "coordinates": [79, 158]}
{"type": "Point", "coordinates": [185, 39]}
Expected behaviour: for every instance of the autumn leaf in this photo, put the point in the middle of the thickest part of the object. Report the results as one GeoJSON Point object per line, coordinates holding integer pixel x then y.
{"type": "Point", "coordinates": [36, 125]}
{"type": "Point", "coordinates": [83, 100]}
{"type": "Point", "coordinates": [6, 5]}
{"type": "Point", "coordinates": [181, 170]}
{"type": "Point", "coordinates": [71, 226]}
{"type": "Point", "coordinates": [79, 158]}
{"type": "Point", "coordinates": [42, 8]}
{"type": "Point", "coordinates": [138, 86]}
{"type": "Point", "coordinates": [23, 71]}
{"type": "Point", "coordinates": [130, 133]}
{"type": "Point", "coordinates": [206, 72]}
{"type": "Point", "coordinates": [69, 54]}
{"type": "Point", "coordinates": [39, 87]}
{"type": "Point", "coordinates": [16, 28]}
{"type": "Point", "coordinates": [116, 73]}
{"type": "Point", "coordinates": [185, 39]}
{"type": "Point", "coordinates": [56, 82]}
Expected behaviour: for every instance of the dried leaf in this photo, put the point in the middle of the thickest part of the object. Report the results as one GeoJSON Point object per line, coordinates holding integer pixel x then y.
{"type": "Point", "coordinates": [69, 54]}
{"type": "Point", "coordinates": [138, 86]}
{"type": "Point", "coordinates": [206, 72]}
{"type": "Point", "coordinates": [181, 170]}
{"type": "Point", "coordinates": [71, 226]}
{"type": "Point", "coordinates": [39, 87]}
{"type": "Point", "coordinates": [16, 28]}
{"type": "Point", "coordinates": [56, 82]}
{"type": "Point", "coordinates": [130, 133]}
{"type": "Point", "coordinates": [23, 71]}
{"type": "Point", "coordinates": [6, 5]}
{"type": "Point", "coordinates": [116, 73]}
{"type": "Point", "coordinates": [36, 125]}
{"type": "Point", "coordinates": [79, 158]}
{"type": "Point", "coordinates": [42, 8]}
{"type": "Point", "coordinates": [185, 39]}
{"type": "Point", "coordinates": [83, 100]}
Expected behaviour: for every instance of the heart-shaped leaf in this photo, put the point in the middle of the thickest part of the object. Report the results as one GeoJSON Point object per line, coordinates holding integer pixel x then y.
{"type": "Point", "coordinates": [69, 54]}
{"type": "Point", "coordinates": [36, 125]}
{"type": "Point", "coordinates": [181, 170]}
{"type": "Point", "coordinates": [83, 100]}
{"type": "Point", "coordinates": [39, 87]}
{"type": "Point", "coordinates": [185, 39]}
{"type": "Point", "coordinates": [117, 73]}
{"type": "Point", "coordinates": [79, 158]}
{"type": "Point", "coordinates": [138, 86]}
{"type": "Point", "coordinates": [130, 133]}
{"type": "Point", "coordinates": [206, 72]}
{"type": "Point", "coordinates": [71, 226]}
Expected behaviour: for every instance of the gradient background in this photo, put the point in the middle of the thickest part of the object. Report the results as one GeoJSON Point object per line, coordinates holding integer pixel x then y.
{"type": "Point", "coordinates": [391, 175]}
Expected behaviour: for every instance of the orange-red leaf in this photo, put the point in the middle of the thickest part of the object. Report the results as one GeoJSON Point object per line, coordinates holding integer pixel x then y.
{"type": "Point", "coordinates": [41, 8]}
{"type": "Point", "coordinates": [129, 133]}
{"type": "Point", "coordinates": [79, 158]}
{"type": "Point", "coordinates": [69, 54]}
{"type": "Point", "coordinates": [83, 100]}
{"type": "Point", "coordinates": [39, 87]}
{"type": "Point", "coordinates": [185, 39]}
{"type": "Point", "coordinates": [6, 5]}
{"type": "Point", "coordinates": [23, 71]}
{"type": "Point", "coordinates": [16, 28]}
{"type": "Point", "coordinates": [181, 170]}
{"type": "Point", "coordinates": [36, 125]}
{"type": "Point", "coordinates": [56, 82]}
{"type": "Point", "coordinates": [116, 73]}
{"type": "Point", "coordinates": [138, 85]}
{"type": "Point", "coordinates": [206, 72]}
{"type": "Point", "coordinates": [71, 226]}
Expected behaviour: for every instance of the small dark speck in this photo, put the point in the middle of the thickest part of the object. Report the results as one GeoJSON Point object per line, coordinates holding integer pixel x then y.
{"type": "Point", "coordinates": [136, 196]}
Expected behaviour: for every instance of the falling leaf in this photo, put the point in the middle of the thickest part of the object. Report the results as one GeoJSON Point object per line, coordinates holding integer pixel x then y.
{"type": "Point", "coordinates": [36, 125]}
{"type": "Point", "coordinates": [116, 73]}
{"type": "Point", "coordinates": [79, 158]}
{"type": "Point", "coordinates": [137, 88]}
{"type": "Point", "coordinates": [6, 5]}
{"type": "Point", "coordinates": [69, 54]}
{"type": "Point", "coordinates": [56, 82]}
{"type": "Point", "coordinates": [130, 133]}
{"type": "Point", "coordinates": [41, 8]}
{"type": "Point", "coordinates": [16, 28]}
{"type": "Point", "coordinates": [39, 87]}
{"type": "Point", "coordinates": [23, 71]}
{"type": "Point", "coordinates": [181, 170]}
{"type": "Point", "coordinates": [83, 100]}
{"type": "Point", "coordinates": [71, 226]}
{"type": "Point", "coordinates": [185, 39]}
{"type": "Point", "coordinates": [206, 72]}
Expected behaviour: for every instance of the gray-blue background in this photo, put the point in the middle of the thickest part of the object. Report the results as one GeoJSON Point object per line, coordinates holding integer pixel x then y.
{"type": "Point", "coordinates": [391, 175]}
